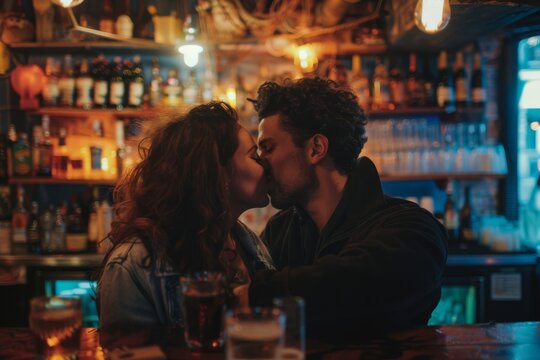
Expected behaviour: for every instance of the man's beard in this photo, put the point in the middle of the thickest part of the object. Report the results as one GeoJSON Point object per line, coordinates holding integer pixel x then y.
{"type": "Point", "coordinates": [298, 195]}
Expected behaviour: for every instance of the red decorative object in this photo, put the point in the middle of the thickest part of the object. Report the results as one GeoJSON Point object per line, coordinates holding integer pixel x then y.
{"type": "Point", "coordinates": [28, 81]}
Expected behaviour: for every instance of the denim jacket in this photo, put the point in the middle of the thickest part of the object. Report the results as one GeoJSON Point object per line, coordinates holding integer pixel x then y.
{"type": "Point", "coordinates": [130, 294]}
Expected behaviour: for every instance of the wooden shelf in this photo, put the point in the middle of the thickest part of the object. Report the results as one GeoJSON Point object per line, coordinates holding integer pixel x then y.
{"type": "Point", "coordinates": [466, 112]}
{"type": "Point", "coordinates": [125, 113]}
{"type": "Point", "coordinates": [442, 176]}
{"type": "Point", "coordinates": [53, 181]}
{"type": "Point", "coordinates": [144, 46]}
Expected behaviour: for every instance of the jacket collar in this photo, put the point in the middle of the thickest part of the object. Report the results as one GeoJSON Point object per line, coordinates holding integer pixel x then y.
{"type": "Point", "coordinates": [362, 196]}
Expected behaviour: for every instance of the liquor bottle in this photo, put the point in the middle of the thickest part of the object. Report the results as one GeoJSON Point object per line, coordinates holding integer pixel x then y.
{"type": "Point", "coordinates": [100, 74]}
{"type": "Point", "coordinates": [5, 220]}
{"type": "Point", "coordinates": [84, 84]}
{"type": "Point", "coordinates": [45, 149]}
{"type": "Point", "coordinates": [58, 239]}
{"type": "Point", "coordinates": [124, 24]}
{"type": "Point", "coordinates": [104, 219]}
{"type": "Point", "coordinates": [381, 90]}
{"type": "Point", "coordinates": [93, 225]}
{"type": "Point", "coordinates": [451, 219]}
{"type": "Point", "coordinates": [156, 83]}
{"type": "Point", "coordinates": [117, 87]}
{"type": "Point", "coordinates": [4, 176]}
{"type": "Point", "coordinates": [136, 84]}
{"type": "Point", "coordinates": [208, 87]}
{"type": "Point", "coordinates": [429, 85]}
{"type": "Point", "coordinates": [445, 92]}
{"type": "Point", "coordinates": [477, 84]}
{"type": "Point", "coordinates": [61, 157]}
{"type": "Point", "coordinates": [66, 83]}
{"type": "Point", "coordinates": [191, 89]}
{"type": "Point", "coordinates": [46, 225]}
{"type": "Point", "coordinates": [37, 139]}
{"type": "Point", "coordinates": [360, 83]}
{"type": "Point", "coordinates": [173, 89]}
{"type": "Point", "coordinates": [21, 156]}
{"type": "Point", "coordinates": [415, 87]}
{"type": "Point", "coordinates": [19, 222]}
{"type": "Point", "coordinates": [460, 81]}
{"type": "Point", "coordinates": [96, 151]}
{"type": "Point", "coordinates": [51, 90]}
{"type": "Point", "coordinates": [106, 22]}
{"type": "Point", "coordinates": [33, 230]}
{"type": "Point", "coordinates": [466, 231]}
{"type": "Point", "coordinates": [76, 236]}
{"type": "Point", "coordinates": [397, 86]}
{"type": "Point", "coordinates": [121, 147]}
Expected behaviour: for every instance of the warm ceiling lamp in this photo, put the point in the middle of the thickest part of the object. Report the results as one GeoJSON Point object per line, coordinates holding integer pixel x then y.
{"type": "Point", "coordinates": [432, 16]}
{"type": "Point", "coordinates": [190, 48]}
{"type": "Point", "coordinates": [305, 57]}
{"type": "Point", "coordinates": [27, 81]}
{"type": "Point", "coordinates": [67, 3]}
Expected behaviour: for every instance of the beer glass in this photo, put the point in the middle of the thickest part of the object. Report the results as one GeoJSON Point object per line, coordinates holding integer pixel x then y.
{"type": "Point", "coordinates": [57, 322]}
{"type": "Point", "coordinates": [293, 307]}
{"type": "Point", "coordinates": [203, 304]}
{"type": "Point", "coordinates": [256, 333]}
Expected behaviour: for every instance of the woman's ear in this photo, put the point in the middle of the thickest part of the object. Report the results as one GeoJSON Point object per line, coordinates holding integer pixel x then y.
{"type": "Point", "coordinates": [317, 148]}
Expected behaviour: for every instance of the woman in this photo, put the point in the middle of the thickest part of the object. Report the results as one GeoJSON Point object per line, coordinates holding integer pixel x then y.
{"type": "Point", "coordinates": [177, 211]}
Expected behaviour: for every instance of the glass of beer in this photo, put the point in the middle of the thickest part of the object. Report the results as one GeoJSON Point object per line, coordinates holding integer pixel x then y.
{"type": "Point", "coordinates": [204, 298]}
{"type": "Point", "coordinates": [57, 322]}
{"type": "Point", "coordinates": [256, 333]}
{"type": "Point", "coordinates": [293, 307]}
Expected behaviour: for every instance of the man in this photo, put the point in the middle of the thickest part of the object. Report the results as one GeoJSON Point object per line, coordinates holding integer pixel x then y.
{"type": "Point", "coordinates": [364, 262]}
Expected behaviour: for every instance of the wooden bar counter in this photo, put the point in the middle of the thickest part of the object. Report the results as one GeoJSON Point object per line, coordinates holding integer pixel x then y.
{"type": "Point", "coordinates": [479, 341]}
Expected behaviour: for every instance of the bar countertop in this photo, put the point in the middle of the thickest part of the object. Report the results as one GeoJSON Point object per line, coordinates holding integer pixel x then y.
{"type": "Point", "coordinates": [57, 260]}
{"type": "Point", "coordinates": [93, 260]}
{"type": "Point", "coordinates": [477, 341]}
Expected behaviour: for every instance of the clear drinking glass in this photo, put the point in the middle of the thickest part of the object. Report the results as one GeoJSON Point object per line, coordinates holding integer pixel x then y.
{"type": "Point", "coordinates": [57, 322]}
{"type": "Point", "coordinates": [293, 307]}
{"type": "Point", "coordinates": [256, 333]}
{"type": "Point", "coordinates": [204, 299]}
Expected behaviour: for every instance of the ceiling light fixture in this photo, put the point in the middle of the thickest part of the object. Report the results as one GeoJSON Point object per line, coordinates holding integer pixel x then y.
{"type": "Point", "coordinates": [432, 16]}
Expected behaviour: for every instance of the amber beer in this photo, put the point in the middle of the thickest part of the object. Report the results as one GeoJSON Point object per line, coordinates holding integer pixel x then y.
{"type": "Point", "coordinates": [203, 306]}
{"type": "Point", "coordinates": [203, 322]}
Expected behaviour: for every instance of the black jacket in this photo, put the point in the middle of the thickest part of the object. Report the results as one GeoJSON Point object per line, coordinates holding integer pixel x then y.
{"type": "Point", "coordinates": [375, 267]}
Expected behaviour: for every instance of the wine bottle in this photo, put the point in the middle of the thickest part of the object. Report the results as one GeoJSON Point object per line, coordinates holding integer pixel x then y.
{"type": "Point", "coordinates": [445, 91]}
{"type": "Point", "coordinates": [477, 84]}
{"type": "Point", "coordinates": [460, 81]}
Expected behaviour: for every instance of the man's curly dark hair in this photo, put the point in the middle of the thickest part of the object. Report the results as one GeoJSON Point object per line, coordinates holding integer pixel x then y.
{"type": "Point", "coordinates": [312, 106]}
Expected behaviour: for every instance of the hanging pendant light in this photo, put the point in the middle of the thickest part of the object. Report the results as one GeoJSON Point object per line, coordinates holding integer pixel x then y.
{"type": "Point", "coordinates": [432, 16]}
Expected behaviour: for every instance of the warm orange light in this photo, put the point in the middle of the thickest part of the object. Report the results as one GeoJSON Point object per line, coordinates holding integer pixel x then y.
{"type": "Point", "coordinates": [305, 57]}
{"type": "Point", "coordinates": [28, 81]}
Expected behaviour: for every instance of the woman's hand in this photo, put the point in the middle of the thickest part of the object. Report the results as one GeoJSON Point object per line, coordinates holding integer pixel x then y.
{"type": "Point", "coordinates": [241, 296]}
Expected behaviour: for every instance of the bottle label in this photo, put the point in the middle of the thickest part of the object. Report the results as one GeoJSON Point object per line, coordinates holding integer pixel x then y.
{"type": "Point", "coordinates": [50, 93]}
{"type": "Point", "coordinates": [84, 89]}
{"type": "Point", "coordinates": [22, 161]}
{"type": "Point", "coordinates": [117, 93]}
{"type": "Point", "coordinates": [478, 95]}
{"type": "Point", "coordinates": [190, 95]}
{"type": "Point", "coordinates": [19, 235]}
{"type": "Point", "coordinates": [5, 236]}
{"type": "Point", "coordinates": [136, 91]}
{"type": "Point", "coordinates": [450, 220]}
{"type": "Point", "coordinates": [76, 242]}
{"type": "Point", "coordinates": [461, 90]}
{"type": "Point", "coordinates": [100, 92]}
{"type": "Point", "coordinates": [443, 95]}
{"type": "Point", "coordinates": [67, 88]}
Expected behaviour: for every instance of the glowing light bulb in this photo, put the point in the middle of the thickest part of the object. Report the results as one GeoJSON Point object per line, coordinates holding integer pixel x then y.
{"type": "Point", "coordinates": [306, 58]}
{"type": "Point", "coordinates": [67, 3]}
{"type": "Point", "coordinates": [432, 16]}
{"type": "Point", "coordinates": [230, 94]}
{"type": "Point", "coordinates": [191, 53]}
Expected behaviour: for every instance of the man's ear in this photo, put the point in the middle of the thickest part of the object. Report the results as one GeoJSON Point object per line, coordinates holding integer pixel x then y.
{"type": "Point", "coordinates": [317, 148]}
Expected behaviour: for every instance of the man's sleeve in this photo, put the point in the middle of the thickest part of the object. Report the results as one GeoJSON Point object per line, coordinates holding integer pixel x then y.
{"type": "Point", "coordinates": [396, 267]}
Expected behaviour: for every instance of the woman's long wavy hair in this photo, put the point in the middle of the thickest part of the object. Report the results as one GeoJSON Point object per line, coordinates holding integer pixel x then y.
{"type": "Point", "coordinates": [176, 199]}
